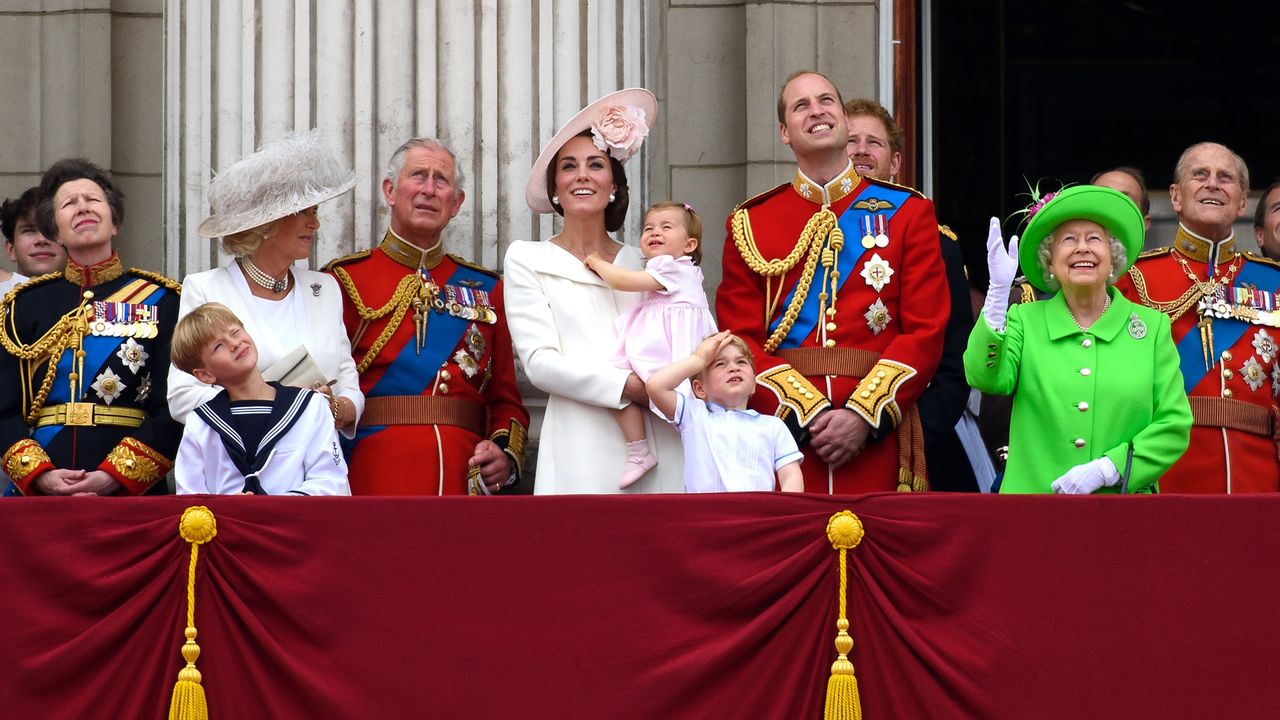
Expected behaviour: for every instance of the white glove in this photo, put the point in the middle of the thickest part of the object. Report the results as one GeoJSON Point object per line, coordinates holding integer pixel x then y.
{"type": "Point", "coordinates": [1084, 479]}
{"type": "Point", "coordinates": [1002, 266]}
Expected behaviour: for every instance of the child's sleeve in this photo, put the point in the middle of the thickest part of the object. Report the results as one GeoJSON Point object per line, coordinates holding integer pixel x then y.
{"type": "Point", "coordinates": [189, 472]}
{"type": "Point", "coordinates": [785, 450]}
{"type": "Point", "coordinates": [325, 469]}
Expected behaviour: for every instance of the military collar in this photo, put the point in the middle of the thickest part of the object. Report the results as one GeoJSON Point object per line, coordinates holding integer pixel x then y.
{"type": "Point", "coordinates": [833, 192]}
{"type": "Point", "coordinates": [93, 275]}
{"type": "Point", "coordinates": [1201, 249]}
{"type": "Point", "coordinates": [1060, 323]}
{"type": "Point", "coordinates": [410, 255]}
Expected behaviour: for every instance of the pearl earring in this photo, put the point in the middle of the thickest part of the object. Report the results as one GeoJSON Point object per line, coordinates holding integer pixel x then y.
{"type": "Point", "coordinates": [612, 197]}
{"type": "Point", "coordinates": [555, 199]}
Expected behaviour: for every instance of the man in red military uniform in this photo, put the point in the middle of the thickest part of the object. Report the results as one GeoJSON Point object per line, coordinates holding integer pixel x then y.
{"type": "Point", "coordinates": [1226, 322]}
{"type": "Point", "coordinates": [837, 284]}
{"type": "Point", "coordinates": [430, 339]}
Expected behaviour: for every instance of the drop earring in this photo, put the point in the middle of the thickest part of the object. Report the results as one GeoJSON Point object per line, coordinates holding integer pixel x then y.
{"type": "Point", "coordinates": [612, 197]}
{"type": "Point", "coordinates": [555, 199]}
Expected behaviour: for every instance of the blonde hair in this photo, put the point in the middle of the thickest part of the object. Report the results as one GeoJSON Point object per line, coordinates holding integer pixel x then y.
{"type": "Point", "coordinates": [734, 341]}
{"type": "Point", "coordinates": [195, 330]}
{"type": "Point", "coordinates": [247, 242]}
{"type": "Point", "coordinates": [692, 224]}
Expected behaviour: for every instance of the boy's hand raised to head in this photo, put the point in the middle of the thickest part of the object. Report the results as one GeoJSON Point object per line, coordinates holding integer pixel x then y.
{"type": "Point", "coordinates": [709, 349]}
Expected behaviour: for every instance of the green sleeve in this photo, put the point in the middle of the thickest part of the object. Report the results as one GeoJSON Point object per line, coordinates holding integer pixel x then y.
{"type": "Point", "coordinates": [991, 359]}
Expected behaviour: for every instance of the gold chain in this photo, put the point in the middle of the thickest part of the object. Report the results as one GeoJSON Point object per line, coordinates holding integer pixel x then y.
{"type": "Point", "coordinates": [1189, 298]}
{"type": "Point", "coordinates": [812, 239]}
{"type": "Point", "coordinates": [64, 334]}
{"type": "Point", "coordinates": [397, 307]}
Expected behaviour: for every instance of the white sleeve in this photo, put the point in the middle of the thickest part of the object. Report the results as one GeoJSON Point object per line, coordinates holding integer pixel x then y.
{"type": "Point", "coordinates": [185, 392]}
{"type": "Point", "coordinates": [325, 471]}
{"type": "Point", "coordinates": [785, 450]}
{"type": "Point", "coordinates": [348, 380]}
{"type": "Point", "coordinates": [537, 342]}
{"type": "Point", "coordinates": [189, 469]}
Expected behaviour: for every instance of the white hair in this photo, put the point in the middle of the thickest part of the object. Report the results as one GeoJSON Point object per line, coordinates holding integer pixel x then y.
{"type": "Point", "coordinates": [396, 164]}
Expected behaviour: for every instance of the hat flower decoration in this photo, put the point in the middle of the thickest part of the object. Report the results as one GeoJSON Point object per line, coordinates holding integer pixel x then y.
{"type": "Point", "coordinates": [1038, 201]}
{"type": "Point", "coordinates": [620, 130]}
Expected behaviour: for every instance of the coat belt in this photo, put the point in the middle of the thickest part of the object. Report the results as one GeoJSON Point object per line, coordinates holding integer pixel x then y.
{"type": "Point", "coordinates": [424, 410]}
{"type": "Point", "coordinates": [88, 415]}
{"type": "Point", "coordinates": [843, 361]}
{"type": "Point", "coordinates": [1233, 415]}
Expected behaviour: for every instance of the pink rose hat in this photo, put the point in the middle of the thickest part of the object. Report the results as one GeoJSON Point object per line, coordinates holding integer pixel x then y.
{"type": "Point", "coordinates": [619, 123]}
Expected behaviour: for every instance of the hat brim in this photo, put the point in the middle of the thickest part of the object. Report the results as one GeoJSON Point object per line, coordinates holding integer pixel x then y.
{"type": "Point", "coordinates": [1111, 209]}
{"type": "Point", "coordinates": [217, 226]}
{"type": "Point", "coordinates": [535, 190]}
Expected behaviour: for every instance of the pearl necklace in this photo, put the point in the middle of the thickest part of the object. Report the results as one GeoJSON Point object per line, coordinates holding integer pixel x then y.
{"type": "Point", "coordinates": [262, 279]}
{"type": "Point", "coordinates": [1106, 304]}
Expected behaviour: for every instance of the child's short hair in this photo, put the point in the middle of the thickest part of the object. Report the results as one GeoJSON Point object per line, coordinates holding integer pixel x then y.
{"type": "Point", "coordinates": [195, 330]}
{"type": "Point", "coordinates": [741, 344]}
{"type": "Point", "coordinates": [692, 224]}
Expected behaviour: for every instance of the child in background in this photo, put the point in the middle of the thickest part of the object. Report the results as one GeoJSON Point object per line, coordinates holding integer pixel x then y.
{"type": "Point", "coordinates": [254, 437]}
{"type": "Point", "coordinates": [669, 320]}
{"type": "Point", "coordinates": [727, 448]}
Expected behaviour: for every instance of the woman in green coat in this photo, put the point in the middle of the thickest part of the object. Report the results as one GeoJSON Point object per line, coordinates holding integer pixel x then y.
{"type": "Point", "coordinates": [1094, 377]}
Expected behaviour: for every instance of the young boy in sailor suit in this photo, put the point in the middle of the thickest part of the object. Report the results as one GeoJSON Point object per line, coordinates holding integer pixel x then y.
{"type": "Point", "coordinates": [254, 437]}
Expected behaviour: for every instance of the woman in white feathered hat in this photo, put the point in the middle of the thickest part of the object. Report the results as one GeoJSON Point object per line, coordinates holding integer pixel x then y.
{"type": "Point", "coordinates": [562, 314]}
{"type": "Point", "coordinates": [264, 209]}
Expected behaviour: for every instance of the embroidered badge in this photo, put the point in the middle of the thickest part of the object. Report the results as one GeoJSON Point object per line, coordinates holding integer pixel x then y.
{"type": "Point", "coordinates": [1252, 373]}
{"type": "Point", "coordinates": [1137, 328]}
{"type": "Point", "coordinates": [877, 317]}
{"type": "Point", "coordinates": [806, 191]}
{"type": "Point", "coordinates": [1265, 345]}
{"type": "Point", "coordinates": [876, 272]}
{"type": "Point", "coordinates": [475, 341]}
{"type": "Point", "coordinates": [134, 355]}
{"type": "Point", "coordinates": [467, 363]}
{"type": "Point", "coordinates": [873, 205]}
{"type": "Point", "coordinates": [144, 388]}
{"type": "Point", "coordinates": [108, 386]}
{"type": "Point", "coordinates": [846, 185]}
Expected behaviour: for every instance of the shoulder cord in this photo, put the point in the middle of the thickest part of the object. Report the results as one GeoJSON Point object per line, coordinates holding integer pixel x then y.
{"type": "Point", "coordinates": [397, 307]}
{"type": "Point", "coordinates": [1175, 309]}
{"type": "Point", "coordinates": [66, 333]}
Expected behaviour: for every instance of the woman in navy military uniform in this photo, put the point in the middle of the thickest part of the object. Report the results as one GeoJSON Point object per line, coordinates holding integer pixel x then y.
{"type": "Point", "coordinates": [86, 354]}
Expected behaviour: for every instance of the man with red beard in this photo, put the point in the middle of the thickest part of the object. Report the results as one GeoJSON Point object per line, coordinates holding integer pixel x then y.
{"type": "Point", "coordinates": [836, 282]}
{"type": "Point", "coordinates": [1226, 319]}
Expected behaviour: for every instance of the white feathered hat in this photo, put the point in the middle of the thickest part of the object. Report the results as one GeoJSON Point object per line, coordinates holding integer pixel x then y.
{"type": "Point", "coordinates": [283, 177]}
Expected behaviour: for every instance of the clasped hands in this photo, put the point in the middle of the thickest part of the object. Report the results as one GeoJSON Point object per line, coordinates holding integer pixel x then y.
{"type": "Point", "coordinates": [838, 435]}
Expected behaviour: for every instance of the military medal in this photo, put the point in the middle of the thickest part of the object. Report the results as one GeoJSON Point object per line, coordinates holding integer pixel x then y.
{"type": "Point", "coordinates": [868, 232]}
{"type": "Point", "coordinates": [108, 386]}
{"type": "Point", "coordinates": [468, 364]}
{"type": "Point", "coordinates": [475, 341]}
{"type": "Point", "coordinates": [144, 388]}
{"type": "Point", "coordinates": [1137, 328]}
{"type": "Point", "coordinates": [133, 355]}
{"type": "Point", "coordinates": [877, 317]}
{"type": "Point", "coordinates": [1265, 346]}
{"type": "Point", "coordinates": [1252, 373]}
{"type": "Point", "coordinates": [882, 231]}
{"type": "Point", "coordinates": [876, 272]}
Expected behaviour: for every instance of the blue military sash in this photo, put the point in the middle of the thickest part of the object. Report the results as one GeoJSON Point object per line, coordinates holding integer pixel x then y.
{"type": "Point", "coordinates": [1226, 331]}
{"type": "Point", "coordinates": [852, 223]}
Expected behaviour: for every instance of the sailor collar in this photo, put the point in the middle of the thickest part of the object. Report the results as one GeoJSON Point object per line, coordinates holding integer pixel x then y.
{"type": "Point", "coordinates": [93, 275]}
{"type": "Point", "coordinates": [410, 255]}
{"type": "Point", "coordinates": [1201, 249]}
{"type": "Point", "coordinates": [833, 192]}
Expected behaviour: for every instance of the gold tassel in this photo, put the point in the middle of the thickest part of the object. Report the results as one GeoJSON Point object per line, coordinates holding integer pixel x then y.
{"type": "Point", "coordinates": [188, 702]}
{"type": "Point", "coordinates": [844, 530]}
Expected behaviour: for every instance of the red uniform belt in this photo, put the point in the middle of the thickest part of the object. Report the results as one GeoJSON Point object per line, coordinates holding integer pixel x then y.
{"type": "Point", "coordinates": [1233, 415]}
{"type": "Point", "coordinates": [424, 410]}
{"type": "Point", "coordinates": [844, 361]}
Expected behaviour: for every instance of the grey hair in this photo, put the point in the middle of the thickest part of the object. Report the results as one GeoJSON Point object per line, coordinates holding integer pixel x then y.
{"type": "Point", "coordinates": [396, 164]}
{"type": "Point", "coordinates": [1044, 253]}
{"type": "Point", "coordinates": [1184, 161]}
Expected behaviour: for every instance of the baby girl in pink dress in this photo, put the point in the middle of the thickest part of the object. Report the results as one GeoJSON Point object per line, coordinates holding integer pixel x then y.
{"type": "Point", "coordinates": [668, 322]}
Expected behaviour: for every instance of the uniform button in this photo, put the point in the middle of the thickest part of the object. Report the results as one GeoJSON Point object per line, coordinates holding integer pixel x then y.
{"type": "Point", "coordinates": [991, 346]}
{"type": "Point", "coordinates": [1226, 355]}
{"type": "Point", "coordinates": [991, 356]}
{"type": "Point", "coordinates": [808, 395]}
{"type": "Point", "coordinates": [444, 375]}
{"type": "Point", "coordinates": [1226, 393]}
{"type": "Point", "coordinates": [830, 343]}
{"type": "Point", "coordinates": [1227, 374]}
{"type": "Point", "coordinates": [791, 379]}
{"type": "Point", "coordinates": [865, 394]}
{"type": "Point", "coordinates": [991, 364]}
{"type": "Point", "coordinates": [1086, 343]}
{"type": "Point", "coordinates": [1086, 372]}
{"type": "Point", "coordinates": [444, 389]}
{"type": "Point", "coordinates": [880, 373]}
{"type": "Point", "coordinates": [831, 326]}
{"type": "Point", "coordinates": [1083, 406]}
{"type": "Point", "coordinates": [1079, 442]}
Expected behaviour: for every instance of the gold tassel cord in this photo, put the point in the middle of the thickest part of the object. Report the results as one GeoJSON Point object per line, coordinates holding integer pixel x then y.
{"type": "Point", "coordinates": [197, 527]}
{"type": "Point", "coordinates": [844, 530]}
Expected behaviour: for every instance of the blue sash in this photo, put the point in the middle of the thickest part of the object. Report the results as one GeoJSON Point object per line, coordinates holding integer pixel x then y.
{"type": "Point", "coordinates": [1226, 331]}
{"type": "Point", "coordinates": [851, 224]}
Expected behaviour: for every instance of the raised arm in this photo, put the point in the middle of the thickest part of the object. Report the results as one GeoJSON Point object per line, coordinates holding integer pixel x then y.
{"type": "Point", "coordinates": [663, 383]}
{"type": "Point", "coordinates": [621, 278]}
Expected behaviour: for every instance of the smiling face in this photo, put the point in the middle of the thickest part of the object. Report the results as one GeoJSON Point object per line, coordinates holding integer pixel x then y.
{"type": "Point", "coordinates": [33, 253]}
{"type": "Point", "coordinates": [583, 177]}
{"type": "Point", "coordinates": [291, 237]}
{"type": "Point", "coordinates": [665, 233]}
{"type": "Point", "coordinates": [424, 197]}
{"type": "Point", "coordinates": [84, 221]}
{"type": "Point", "coordinates": [813, 122]}
{"type": "Point", "coordinates": [1080, 255]}
{"type": "Point", "coordinates": [228, 358]}
{"type": "Point", "coordinates": [869, 148]}
{"type": "Point", "coordinates": [1268, 234]}
{"type": "Point", "coordinates": [729, 380]}
{"type": "Point", "coordinates": [1209, 194]}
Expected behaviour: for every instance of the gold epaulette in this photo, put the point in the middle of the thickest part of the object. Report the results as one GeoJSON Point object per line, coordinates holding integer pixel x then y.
{"type": "Point", "coordinates": [1255, 257]}
{"type": "Point", "coordinates": [29, 282]}
{"type": "Point", "coordinates": [158, 279]}
{"type": "Point", "coordinates": [1026, 293]}
{"type": "Point", "coordinates": [1154, 252]}
{"type": "Point", "coordinates": [946, 230]}
{"type": "Point", "coordinates": [757, 199]}
{"type": "Point", "coordinates": [329, 266]}
{"type": "Point", "coordinates": [473, 266]}
{"type": "Point", "coordinates": [895, 186]}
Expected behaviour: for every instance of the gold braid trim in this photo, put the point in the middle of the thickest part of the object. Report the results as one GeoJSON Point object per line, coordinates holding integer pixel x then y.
{"type": "Point", "coordinates": [812, 239]}
{"type": "Point", "coordinates": [1175, 309]}
{"type": "Point", "coordinates": [397, 307]}
{"type": "Point", "coordinates": [158, 279]}
{"type": "Point", "coordinates": [24, 458]}
{"type": "Point", "coordinates": [66, 333]}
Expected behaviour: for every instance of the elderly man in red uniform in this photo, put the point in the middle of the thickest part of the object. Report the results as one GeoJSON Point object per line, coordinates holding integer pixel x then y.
{"type": "Point", "coordinates": [430, 339]}
{"type": "Point", "coordinates": [1226, 319]}
{"type": "Point", "coordinates": [836, 282]}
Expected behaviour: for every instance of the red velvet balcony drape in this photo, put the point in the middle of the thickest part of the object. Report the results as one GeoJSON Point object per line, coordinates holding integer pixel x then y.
{"type": "Point", "coordinates": [644, 607]}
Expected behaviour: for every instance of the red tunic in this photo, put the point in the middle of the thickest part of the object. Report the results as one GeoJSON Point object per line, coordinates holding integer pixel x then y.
{"type": "Point", "coordinates": [1230, 369]}
{"type": "Point", "coordinates": [465, 355]}
{"type": "Point", "coordinates": [889, 301]}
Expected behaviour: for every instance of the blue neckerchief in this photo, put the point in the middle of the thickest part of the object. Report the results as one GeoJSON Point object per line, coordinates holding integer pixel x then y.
{"type": "Point", "coordinates": [851, 224]}
{"type": "Point", "coordinates": [1226, 331]}
{"type": "Point", "coordinates": [286, 410]}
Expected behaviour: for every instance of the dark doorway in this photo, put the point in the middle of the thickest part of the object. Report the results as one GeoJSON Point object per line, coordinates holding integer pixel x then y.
{"type": "Point", "coordinates": [1060, 90]}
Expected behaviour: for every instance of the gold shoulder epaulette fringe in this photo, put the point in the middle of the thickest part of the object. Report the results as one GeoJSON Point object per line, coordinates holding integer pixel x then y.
{"type": "Point", "coordinates": [473, 266]}
{"type": "Point", "coordinates": [886, 183]}
{"type": "Point", "coordinates": [756, 199]}
{"type": "Point", "coordinates": [329, 266]}
{"type": "Point", "coordinates": [947, 231]}
{"type": "Point", "coordinates": [1156, 251]}
{"type": "Point", "coordinates": [1255, 257]}
{"type": "Point", "coordinates": [159, 279]}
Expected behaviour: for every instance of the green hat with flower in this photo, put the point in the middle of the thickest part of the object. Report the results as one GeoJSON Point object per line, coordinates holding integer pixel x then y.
{"type": "Point", "coordinates": [1111, 209]}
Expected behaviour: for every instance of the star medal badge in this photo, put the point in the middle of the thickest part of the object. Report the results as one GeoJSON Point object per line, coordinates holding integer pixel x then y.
{"type": "Point", "coordinates": [1265, 345]}
{"type": "Point", "coordinates": [1252, 373]}
{"type": "Point", "coordinates": [876, 272]}
{"type": "Point", "coordinates": [877, 317]}
{"type": "Point", "coordinates": [133, 355]}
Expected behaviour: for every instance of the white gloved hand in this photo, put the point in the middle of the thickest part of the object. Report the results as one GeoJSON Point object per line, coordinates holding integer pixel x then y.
{"type": "Point", "coordinates": [1085, 478]}
{"type": "Point", "coordinates": [1002, 266]}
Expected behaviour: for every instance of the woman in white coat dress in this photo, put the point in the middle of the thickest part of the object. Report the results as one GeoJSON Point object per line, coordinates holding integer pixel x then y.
{"type": "Point", "coordinates": [562, 315]}
{"type": "Point", "coordinates": [264, 209]}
